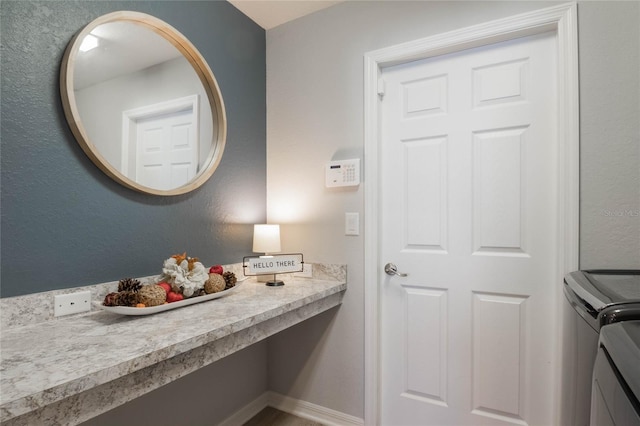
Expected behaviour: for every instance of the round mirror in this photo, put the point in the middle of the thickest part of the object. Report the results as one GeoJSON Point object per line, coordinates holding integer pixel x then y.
{"type": "Point", "coordinates": [143, 104]}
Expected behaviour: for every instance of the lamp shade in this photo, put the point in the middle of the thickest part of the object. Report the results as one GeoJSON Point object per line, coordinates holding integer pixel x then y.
{"type": "Point", "coordinates": [266, 238]}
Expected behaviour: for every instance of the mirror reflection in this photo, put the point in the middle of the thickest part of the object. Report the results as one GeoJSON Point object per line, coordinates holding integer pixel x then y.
{"type": "Point", "coordinates": [144, 104]}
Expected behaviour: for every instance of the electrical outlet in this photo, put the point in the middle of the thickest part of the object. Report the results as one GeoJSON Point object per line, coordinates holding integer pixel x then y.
{"type": "Point", "coordinates": [307, 271]}
{"type": "Point", "coordinates": [72, 303]}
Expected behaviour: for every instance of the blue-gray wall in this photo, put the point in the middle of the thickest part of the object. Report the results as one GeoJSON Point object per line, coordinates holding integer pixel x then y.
{"type": "Point", "coordinates": [65, 223]}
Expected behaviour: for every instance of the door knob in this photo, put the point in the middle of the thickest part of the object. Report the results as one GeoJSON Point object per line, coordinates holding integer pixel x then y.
{"type": "Point", "coordinates": [391, 269]}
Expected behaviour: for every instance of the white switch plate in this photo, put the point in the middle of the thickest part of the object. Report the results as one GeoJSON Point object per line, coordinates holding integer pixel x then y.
{"type": "Point", "coordinates": [352, 224]}
{"type": "Point", "coordinates": [307, 271]}
{"type": "Point", "coordinates": [73, 303]}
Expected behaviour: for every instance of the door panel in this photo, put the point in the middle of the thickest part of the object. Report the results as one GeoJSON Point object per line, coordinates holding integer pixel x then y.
{"type": "Point", "coordinates": [425, 165]}
{"type": "Point", "coordinates": [498, 190]}
{"type": "Point", "coordinates": [426, 349]}
{"type": "Point", "coordinates": [468, 211]}
{"type": "Point", "coordinates": [498, 385]}
{"type": "Point", "coordinates": [167, 151]}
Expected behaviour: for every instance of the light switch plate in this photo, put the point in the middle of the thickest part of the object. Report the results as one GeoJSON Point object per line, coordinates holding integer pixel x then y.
{"type": "Point", "coordinates": [352, 223]}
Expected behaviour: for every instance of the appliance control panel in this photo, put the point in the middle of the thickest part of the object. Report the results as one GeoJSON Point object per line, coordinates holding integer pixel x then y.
{"type": "Point", "coordinates": [342, 173]}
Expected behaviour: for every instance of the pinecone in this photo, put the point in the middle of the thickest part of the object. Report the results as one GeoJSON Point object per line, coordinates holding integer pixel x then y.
{"type": "Point", "coordinates": [127, 298]}
{"type": "Point", "coordinates": [229, 279]}
{"type": "Point", "coordinates": [129, 284]}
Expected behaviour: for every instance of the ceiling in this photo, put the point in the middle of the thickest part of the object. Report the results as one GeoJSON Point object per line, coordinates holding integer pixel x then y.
{"type": "Point", "coordinates": [123, 40]}
{"type": "Point", "coordinates": [124, 48]}
{"type": "Point", "coordinates": [271, 13]}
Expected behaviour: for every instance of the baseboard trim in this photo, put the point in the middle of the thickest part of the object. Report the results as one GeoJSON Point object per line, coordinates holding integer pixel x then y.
{"type": "Point", "coordinates": [310, 411]}
{"type": "Point", "coordinates": [297, 407]}
{"type": "Point", "coordinates": [247, 412]}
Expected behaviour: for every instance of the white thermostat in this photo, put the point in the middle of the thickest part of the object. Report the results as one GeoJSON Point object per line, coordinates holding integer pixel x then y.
{"type": "Point", "coordinates": [342, 173]}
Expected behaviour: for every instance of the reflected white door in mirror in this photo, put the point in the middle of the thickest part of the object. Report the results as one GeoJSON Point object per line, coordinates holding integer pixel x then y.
{"type": "Point", "coordinates": [160, 143]}
{"type": "Point", "coordinates": [143, 103]}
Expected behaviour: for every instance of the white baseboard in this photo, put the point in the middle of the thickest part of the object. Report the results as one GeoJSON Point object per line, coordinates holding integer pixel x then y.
{"type": "Point", "coordinates": [245, 414]}
{"type": "Point", "coordinates": [297, 407]}
{"type": "Point", "coordinates": [314, 412]}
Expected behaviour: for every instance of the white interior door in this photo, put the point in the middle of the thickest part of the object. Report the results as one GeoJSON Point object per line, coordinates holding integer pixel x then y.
{"type": "Point", "coordinates": [167, 151]}
{"type": "Point", "coordinates": [469, 213]}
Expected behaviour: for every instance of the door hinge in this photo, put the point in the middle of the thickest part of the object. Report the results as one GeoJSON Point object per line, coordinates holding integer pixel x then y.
{"type": "Point", "coordinates": [381, 87]}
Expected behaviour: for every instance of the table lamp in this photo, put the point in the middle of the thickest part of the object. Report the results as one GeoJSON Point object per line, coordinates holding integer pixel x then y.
{"type": "Point", "coordinates": [266, 239]}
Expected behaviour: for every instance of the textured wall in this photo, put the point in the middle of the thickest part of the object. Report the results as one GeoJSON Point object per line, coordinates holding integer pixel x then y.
{"type": "Point", "coordinates": [65, 223]}
{"type": "Point", "coordinates": [609, 134]}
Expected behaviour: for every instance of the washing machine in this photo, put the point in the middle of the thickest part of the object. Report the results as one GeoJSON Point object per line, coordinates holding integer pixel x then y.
{"type": "Point", "coordinates": [615, 395]}
{"type": "Point", "coordinates": [594, 299]}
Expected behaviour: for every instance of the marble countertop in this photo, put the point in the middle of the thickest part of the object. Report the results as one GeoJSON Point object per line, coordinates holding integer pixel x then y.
{"type": "Point", "coordinates": [46, 362]}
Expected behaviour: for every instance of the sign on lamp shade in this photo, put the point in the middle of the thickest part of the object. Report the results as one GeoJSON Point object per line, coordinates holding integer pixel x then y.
{"type": "Point", "coordinates": [266, 238]}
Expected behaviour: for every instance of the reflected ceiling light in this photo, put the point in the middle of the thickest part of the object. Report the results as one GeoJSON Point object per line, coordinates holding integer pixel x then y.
{"type": "Point", "coordinates": [88, 43]}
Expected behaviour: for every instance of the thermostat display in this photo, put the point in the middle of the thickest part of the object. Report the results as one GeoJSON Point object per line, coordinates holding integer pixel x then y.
{"type": "Point", "coordinates": [342, 173]}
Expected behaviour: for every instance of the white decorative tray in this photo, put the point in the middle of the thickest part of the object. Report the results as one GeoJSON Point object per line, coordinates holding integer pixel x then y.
{"type": "Point", "coordinates": [127, 310]}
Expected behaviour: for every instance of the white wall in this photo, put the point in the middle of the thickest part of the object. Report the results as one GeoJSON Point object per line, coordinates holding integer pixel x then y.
{"type": "Point", "coordinates": [314, 115]}
{"type": "Point", "coordinates": [609, 134]}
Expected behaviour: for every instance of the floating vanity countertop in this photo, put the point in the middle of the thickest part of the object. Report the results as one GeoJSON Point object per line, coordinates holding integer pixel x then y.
{"type": "Point", "coordinates": [66, 371]}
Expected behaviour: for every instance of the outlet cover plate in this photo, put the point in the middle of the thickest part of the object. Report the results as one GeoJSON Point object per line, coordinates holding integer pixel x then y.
{"type": "Point", "coordinates": [307, 271]}
{"type": "Point", "coordinates": [72, 303]}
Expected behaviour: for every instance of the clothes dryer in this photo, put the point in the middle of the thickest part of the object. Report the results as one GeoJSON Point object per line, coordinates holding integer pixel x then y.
{"type": "Point", "coordinates": [594, 298]}
{"type": "Point", "coordinates": [615, 395]}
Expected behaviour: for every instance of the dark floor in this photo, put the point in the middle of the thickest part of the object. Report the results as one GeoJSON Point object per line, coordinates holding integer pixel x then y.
{"type": "Point", "coordinates": [272, 417]}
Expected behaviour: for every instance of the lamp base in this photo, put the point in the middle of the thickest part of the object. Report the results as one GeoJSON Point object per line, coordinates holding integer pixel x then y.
{"type": "Point", "coordinates": [275, 283]}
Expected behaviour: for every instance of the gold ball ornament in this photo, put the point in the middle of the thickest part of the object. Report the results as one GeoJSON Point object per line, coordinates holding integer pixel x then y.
{"type": "Point", "coordinates": [152, 295]}
{"type": "Point", "coordinates": [214, 284]}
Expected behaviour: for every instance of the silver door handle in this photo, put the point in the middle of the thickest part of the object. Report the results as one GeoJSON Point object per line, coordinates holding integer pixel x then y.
{"type": "Point", "coordinates": [391, 269]}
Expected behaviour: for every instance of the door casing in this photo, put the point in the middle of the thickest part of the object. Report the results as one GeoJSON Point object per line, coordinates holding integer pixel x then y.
{"type": "Point", "coordinates": [561, 19]}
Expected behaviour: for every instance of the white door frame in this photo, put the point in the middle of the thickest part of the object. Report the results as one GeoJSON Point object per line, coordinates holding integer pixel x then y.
{"type": "Point", "coordinates": [563, 20]}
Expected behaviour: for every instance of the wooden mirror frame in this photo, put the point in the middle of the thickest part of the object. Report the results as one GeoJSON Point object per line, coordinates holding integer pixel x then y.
{"type": "Point", "coordinates": [201, 68]}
